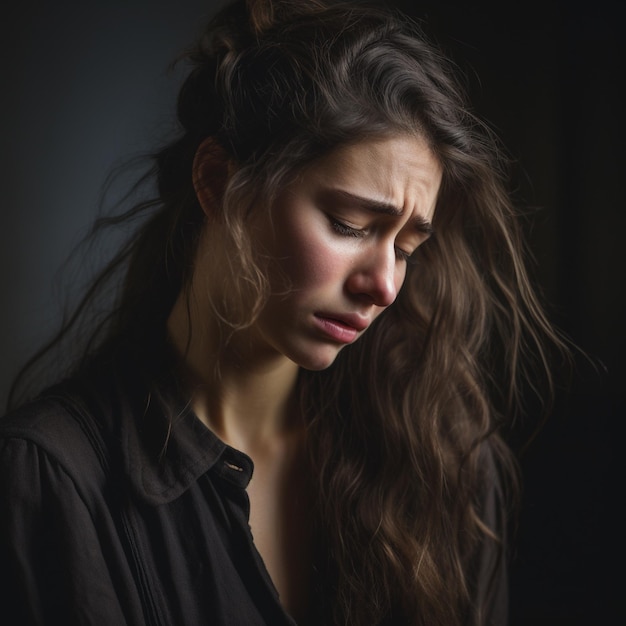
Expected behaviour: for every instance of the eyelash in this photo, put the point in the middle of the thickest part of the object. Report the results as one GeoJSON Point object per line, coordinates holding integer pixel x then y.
{"type": "Point", "coordinates": [349, 231]}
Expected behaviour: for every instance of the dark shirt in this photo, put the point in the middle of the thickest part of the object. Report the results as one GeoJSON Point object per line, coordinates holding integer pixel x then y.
{"type": "Point", "coordinates": [109, 517]}
{"type": "Point", "coordinates": [114, 512]}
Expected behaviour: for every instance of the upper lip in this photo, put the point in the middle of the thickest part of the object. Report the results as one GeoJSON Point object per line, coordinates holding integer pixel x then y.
{"type": "Point", "coordinates": [349, 319]}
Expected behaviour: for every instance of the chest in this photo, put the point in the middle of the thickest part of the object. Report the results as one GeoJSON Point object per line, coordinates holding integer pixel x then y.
{"type": "Point", "coordinates": [280, 521]}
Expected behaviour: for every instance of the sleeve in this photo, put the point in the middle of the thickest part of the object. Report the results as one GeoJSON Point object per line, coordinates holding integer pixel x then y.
{"type": "Point", "coordinates": [52, 564]}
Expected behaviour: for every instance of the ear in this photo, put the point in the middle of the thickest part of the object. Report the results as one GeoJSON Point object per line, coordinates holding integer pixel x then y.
{"type": "Point", "coordinates": [211, 171]}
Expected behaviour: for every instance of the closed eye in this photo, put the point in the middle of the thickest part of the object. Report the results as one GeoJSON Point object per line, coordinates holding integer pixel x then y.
{"type": "Point", "coordinates": [347, 231]}
{"type": "Point", "coordinates": [401, 255]}
{"type": "Point", "coordinates": [411, 258]}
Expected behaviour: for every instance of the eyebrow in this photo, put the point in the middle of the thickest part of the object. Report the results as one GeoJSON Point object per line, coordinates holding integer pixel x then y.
{"type": "Point", "coordinates": [378, 206]}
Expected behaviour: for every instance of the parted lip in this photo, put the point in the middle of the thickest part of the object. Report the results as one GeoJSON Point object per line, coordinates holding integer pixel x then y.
{"type": "Point", "coordinates": [352, 320]}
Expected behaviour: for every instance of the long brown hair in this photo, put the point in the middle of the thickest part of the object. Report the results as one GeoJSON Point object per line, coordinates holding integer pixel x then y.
{"type": "Point", "coordinates": [405, 427]}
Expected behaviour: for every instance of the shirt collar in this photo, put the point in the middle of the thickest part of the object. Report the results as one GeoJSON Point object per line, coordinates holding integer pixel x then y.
{"type": "Point", "coordinates": [166, 451]}
{"type": "Point", "coordinates": [163, 447]}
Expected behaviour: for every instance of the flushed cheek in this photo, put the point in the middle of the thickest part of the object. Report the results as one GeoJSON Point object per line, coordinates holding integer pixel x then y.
{"type": "Point", "coordinates": [309, 261]}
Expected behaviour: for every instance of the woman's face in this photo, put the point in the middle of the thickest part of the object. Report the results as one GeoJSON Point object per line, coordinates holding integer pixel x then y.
{"type": "Point", "coordinates": [339, 240]}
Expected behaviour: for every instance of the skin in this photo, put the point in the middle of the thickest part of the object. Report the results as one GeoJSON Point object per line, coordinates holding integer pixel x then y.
{"type": "Point", "coordinates": [336, 257]}
{"type": "Point", "coordinates": [339, 240]}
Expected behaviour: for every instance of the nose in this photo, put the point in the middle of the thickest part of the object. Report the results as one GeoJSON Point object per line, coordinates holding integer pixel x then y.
{"type": "Point", "coordinates": [375, 277]}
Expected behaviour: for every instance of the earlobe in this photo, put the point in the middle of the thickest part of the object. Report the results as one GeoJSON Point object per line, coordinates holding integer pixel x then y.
{"type": "Point", "coordinates": [211, 171]}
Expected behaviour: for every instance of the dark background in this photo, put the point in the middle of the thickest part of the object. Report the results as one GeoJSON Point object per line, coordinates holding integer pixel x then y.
{"type": "Point", "coordinates": [85, 85]}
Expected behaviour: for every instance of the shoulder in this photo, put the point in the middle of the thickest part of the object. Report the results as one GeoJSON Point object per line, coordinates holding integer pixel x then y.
{"type": "Point", "coordinates": [75, 424]}
{"type": "Point", "coordinates": [48, 435]}
{"type": "Point", "coordinates": [116, 421]}
{"type": "Point", "coordinates": [45, 421]}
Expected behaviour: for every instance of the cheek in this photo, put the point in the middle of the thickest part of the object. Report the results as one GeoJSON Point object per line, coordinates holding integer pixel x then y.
{"type": "Point", "coordinates": [307, 258]}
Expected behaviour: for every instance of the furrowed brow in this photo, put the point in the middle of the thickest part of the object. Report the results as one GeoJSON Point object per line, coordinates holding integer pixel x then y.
{"type": "Point", "coordinates": [420, 223]}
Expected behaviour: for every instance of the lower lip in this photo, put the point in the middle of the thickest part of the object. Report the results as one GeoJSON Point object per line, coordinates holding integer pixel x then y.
{"type": "Point", "coordinates": [336, 330]}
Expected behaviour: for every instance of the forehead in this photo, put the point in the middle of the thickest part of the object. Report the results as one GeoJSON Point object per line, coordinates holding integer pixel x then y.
{"type": "Point", "coordinates": [401, 171]}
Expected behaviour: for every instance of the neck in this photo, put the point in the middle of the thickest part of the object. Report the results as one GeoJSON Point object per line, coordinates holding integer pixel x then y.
{"type": "Point", "coordinates": [244, 393]}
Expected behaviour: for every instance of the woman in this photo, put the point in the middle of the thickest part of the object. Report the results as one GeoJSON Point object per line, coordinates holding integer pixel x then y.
{"type": "Point", "coordinates": [295, 410]}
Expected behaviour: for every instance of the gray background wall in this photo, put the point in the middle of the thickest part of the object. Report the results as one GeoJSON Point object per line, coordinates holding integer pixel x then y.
{"type": "Point", "coordinates": [84, 84]}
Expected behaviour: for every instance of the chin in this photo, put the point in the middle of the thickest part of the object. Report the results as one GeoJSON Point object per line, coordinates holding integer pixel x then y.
{"type": "Point", "coordinates": [316, 360]}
